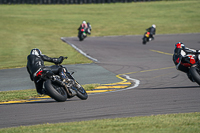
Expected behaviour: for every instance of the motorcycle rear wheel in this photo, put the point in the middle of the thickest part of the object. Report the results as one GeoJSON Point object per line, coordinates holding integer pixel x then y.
{"type": "Point", "coordinates": [195, 73]}
{"type": "Point", "coordinates": [144, 40]}
{"type": "Point", "coordinates": [56, 92]}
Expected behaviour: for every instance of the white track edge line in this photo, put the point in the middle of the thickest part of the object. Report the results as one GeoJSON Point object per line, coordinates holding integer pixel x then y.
{"type": "Point", "coordinates": [79, 50]}
{"type": "Point", "coordinates": [137, 82]}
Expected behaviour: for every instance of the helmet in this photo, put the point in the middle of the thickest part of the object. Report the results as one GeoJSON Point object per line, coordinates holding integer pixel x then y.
{"type": "Point", "coordinates": [154, 26]}
{"type": "Point", "coordinates": [180, 45]}
{"type": "Point", "coordinates": [84, 22]}
{"type": "Point", "coordinates": [36, 51]}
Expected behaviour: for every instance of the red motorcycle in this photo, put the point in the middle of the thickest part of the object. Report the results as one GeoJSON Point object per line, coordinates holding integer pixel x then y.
{"type": "Point", "coordinates": [194, 66]}
{"type": "Point", "coordinates": [193, 63]}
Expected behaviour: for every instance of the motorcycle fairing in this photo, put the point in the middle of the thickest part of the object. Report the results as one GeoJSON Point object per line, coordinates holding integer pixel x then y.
{"type": "Point", "coordinates": [147, 35]}
{"type": "Point", "coordinates": [189, 61]}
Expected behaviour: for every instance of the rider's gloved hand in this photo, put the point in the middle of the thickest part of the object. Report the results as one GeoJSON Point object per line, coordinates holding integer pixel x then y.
{"type": "Point", "coordinates": [60, 59]}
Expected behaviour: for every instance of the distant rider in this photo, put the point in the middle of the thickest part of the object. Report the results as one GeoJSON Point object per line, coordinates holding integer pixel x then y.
{"type": "Point", "coordinates": [84, 25]}
{"type": "Point", "coordinates": [180, 58]}
{"type": "Point", "coordinates": [152, 31]}
{"type": "Point", "coordinates": [35, 63]}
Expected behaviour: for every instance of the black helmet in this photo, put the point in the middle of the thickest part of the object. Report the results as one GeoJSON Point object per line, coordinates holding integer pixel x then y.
{"type": "Point", "coordinates": [36, 51]}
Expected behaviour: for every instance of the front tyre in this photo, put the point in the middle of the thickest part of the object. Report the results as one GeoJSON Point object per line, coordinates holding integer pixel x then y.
{"type": "Point", "coordinates": [81, 36]}
{"type": "Point", "coordinates": [81, 93]}
{"type": "Point", "coordinates": [194, 71]}
{"type": "Point", "coordinates": [54, 91]}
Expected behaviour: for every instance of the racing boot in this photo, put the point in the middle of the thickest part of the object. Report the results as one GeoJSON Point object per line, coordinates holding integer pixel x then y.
{"type": "Point", "coordinates": [42, 91]}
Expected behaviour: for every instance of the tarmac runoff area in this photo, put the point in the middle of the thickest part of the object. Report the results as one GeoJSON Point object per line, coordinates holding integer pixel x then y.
{"type": "Point", "coordinates": [84, 74]}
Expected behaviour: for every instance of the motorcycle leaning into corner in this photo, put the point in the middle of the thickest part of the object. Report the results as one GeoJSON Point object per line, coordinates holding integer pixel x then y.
{"type": "Point", "coordinates": [193, 63]}
{"type": "Point", "coordinates": [59, 90]}
{"type": "Point", "coordinates": [146, 38]}
{"type": "Point", "coordinates": [82, 32]}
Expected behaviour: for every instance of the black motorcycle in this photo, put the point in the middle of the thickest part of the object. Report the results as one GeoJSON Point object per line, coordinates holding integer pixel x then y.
{"type": "Point", "coordinates": [82, 34]}
{"type": "Point", "coordinates": [59, 90]}
{"type": "Point", "coordinates": [146, 37]}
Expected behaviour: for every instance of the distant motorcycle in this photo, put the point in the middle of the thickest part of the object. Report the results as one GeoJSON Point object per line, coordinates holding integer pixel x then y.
{"type": "Point", "coordinates": [82, 34]}
{"type": "Point", "coordinates": [146, 37]}
{"type": "Point", "coordinates": [55, 88]}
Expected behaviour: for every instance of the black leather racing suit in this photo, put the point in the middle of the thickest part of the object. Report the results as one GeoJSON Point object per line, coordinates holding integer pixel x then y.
{"type": "Point", "coordinates": [36, 63]}
{"type": "Point", "coordinates": [152, 31]}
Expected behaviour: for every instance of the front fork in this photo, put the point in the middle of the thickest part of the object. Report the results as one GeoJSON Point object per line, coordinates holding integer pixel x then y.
{"type": "Point", "coordinates": [71, 85]}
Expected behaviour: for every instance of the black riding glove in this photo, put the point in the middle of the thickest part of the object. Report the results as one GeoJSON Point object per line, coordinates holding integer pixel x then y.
{"type": "Point", "coordinates": [58, 60]}
{"type": "Point", "coordinates": [61, 58]}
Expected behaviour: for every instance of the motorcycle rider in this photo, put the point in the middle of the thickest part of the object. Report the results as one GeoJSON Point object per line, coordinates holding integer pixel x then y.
{"type": "Point", "coordinates": [85, 26]}
{"type": "Point", "coordinates": [35, 63]}
{"type": "Point", "coordinates": [152, 31]}
{"type": "Point", "coordinates": [180, 57]}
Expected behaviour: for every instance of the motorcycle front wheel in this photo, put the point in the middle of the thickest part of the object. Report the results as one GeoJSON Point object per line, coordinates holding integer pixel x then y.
{"type": "Point", "coordinates": [81, 93]}
{"type": "Point", "coordinates": [81, 37]}
{"type": "Point", "coordinates": [54, 91]}
{"type": "Point", "coordinates": [195, 73]}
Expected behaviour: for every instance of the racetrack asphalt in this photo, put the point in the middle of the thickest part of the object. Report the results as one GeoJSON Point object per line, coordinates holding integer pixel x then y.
{"type": "Point", "coordinates": [161, 88]}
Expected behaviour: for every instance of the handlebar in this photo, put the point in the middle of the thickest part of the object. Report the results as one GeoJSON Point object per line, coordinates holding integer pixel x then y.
{"type": "Point", "coordinates": [193, 53]}
{"type": "Point", "coordinates": [58, 63]}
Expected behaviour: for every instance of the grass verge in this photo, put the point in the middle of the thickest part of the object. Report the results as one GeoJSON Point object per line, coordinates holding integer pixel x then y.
{"type": "Point", "coordinates": [30, 93]}
{"type": "Point", "coordinates": [24, 27]}
{"type": "Point", "coordinates": [169, 123]}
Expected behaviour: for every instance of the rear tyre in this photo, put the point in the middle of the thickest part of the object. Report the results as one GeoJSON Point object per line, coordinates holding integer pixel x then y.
{"type": "Point", "coordinates": [144, 40]}
{"type": "Point", "coordinates": [54, 91]}
{"type": "Point", "coordinates": [194, 71]}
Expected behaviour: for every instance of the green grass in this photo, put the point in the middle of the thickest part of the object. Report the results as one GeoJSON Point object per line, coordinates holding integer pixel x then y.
{"type": "Point", "coordinates": [30, 93]}
{"type": "Point", "coordinates": [23, 27]}
{"type": "Point", "coordinates": [17, 95]}
{"type": "Point", "coordinates": [169, 123]}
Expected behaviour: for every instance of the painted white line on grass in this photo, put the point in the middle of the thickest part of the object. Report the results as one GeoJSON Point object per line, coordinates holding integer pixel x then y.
{"type": "Point", "coordinates": [79, 50]}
